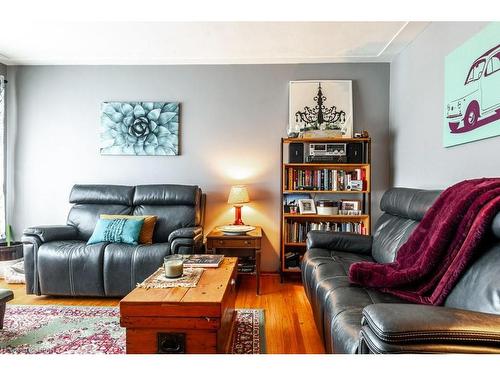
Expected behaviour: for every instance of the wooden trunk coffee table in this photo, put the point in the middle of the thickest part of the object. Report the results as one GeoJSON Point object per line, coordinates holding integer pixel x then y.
{"type": "Point", "coordinates": [183, 320]}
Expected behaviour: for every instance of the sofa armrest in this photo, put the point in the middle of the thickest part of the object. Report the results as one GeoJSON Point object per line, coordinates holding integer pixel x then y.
{"type": "Point", "coordinates": [410, 328]}
{"type": "Point", "coordinates": [47, 233]}
{"type": "Point", "coordinates": [189, 232]}
{"type": "Point", "coordinates": [349, 242]}
{"type": "Point", "coordinates": [186, 240]}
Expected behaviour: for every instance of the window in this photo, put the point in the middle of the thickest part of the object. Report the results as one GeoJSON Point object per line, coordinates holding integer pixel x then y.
{"type": "Point", "coordinates": [2, 155]}
{"type": "Point", "coordinates": [493, 64]}
{"type": "Point", "coordinates": [475, 71]}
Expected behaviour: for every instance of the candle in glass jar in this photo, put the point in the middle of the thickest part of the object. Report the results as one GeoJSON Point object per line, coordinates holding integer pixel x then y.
{"type": "Point", "coordinates": [173, 266]}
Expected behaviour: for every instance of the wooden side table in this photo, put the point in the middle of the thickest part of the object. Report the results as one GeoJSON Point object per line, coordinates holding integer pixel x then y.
{"type": "Point", "coordinates": [219, 243]}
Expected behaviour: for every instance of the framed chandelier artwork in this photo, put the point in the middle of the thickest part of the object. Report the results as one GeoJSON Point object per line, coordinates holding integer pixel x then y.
{"type": "Point", "coordinates": [321, 108]}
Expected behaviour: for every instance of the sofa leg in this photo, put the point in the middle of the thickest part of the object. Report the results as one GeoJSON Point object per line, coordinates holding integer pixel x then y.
{"type": "Point", "coordinates": [2, 314]}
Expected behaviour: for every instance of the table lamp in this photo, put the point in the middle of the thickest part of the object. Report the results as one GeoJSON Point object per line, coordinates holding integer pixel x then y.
{"type": "Point", "coordinates": [237, 196]}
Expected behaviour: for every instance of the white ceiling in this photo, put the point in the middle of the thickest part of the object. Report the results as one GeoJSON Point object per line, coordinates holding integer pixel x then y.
{"type": "Point", "coordinates": [151, 43]}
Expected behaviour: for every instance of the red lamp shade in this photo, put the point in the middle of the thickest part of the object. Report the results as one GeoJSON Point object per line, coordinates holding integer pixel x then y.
{"type": "Point", "coordinates": [237, 196]}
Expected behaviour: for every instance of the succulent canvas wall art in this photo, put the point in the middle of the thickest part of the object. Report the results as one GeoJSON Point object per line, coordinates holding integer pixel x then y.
{"type": "Point", "coordinates": [139, 128]}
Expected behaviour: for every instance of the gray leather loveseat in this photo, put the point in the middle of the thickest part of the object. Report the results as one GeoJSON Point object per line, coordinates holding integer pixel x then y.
{"type": "Point", "coordinates": [58, 260]}
{"type": "Point", "coordinates": [355, 319]}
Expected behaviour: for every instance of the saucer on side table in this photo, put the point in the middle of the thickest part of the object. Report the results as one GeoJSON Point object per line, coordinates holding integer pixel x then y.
{"type": "Point", "coordinates": [235, 230]}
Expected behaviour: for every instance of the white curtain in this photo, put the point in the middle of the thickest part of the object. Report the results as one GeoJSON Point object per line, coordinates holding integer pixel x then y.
{"type": "Point", "coordinates": [2, 156]}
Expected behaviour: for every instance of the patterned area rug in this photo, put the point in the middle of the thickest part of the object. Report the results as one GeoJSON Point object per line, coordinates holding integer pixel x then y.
{"type": "Point", "coordinates": [249, 333]}
{"type": "Point", "coordinates": [96, 330]}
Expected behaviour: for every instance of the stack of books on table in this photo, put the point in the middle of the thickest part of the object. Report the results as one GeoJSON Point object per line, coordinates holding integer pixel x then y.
{"type": "Point", "coordinates": [246, 265]}
{"type": "Point", "coordinates": [202, 260]}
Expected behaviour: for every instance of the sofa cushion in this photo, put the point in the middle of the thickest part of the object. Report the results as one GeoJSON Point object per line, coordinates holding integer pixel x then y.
{"type": "Point", "coordinates": [323, 271]}
{"type": "Point", "coordinates": [315, 257]}
{"type": "Point", "coordinates": [102, 194]}
{"type": "Point", "coordinates": [170, 218]}
{"type": "Point", "coordinates": [390, 234]}
{"type": "Point", "coordinates": [126, 265]}
{"type": "Point", "coordinates": [117, 230]}
{"type": "Point", "coordinates": [71, 268]}
{"type": "Point", "coordinates": [148, 228]}
{"type": "Point", "coordinates": [166, 195]}
{"type": "Point", "coordinates": [342, 334]}
{"type": "Point", "coordinates": [337, 304]}
{"type": "Point", "coordinates": [479, 287]}
{"type": "Point", "coordinates": [85, 216]}
{"type": "Point", "coordinates": [408, 203]}
{"type": "Point", "coordinates": [343, 310]}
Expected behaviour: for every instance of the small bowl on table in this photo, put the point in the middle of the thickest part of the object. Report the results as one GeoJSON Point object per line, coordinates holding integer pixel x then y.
{"type": "Point", "coordinates": [236, 230]}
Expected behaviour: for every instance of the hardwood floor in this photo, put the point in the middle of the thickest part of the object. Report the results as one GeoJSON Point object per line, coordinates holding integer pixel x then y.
{"type": "Point", "coordinates": [290, 327]}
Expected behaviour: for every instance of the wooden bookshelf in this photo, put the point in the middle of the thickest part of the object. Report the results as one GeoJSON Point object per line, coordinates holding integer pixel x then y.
{"type": "Point", "coordinates": [364, 196]}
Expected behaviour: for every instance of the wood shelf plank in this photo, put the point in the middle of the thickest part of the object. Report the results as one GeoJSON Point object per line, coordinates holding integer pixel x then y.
{"type": "Point", "coordinates": [316, 216]}
{"type": "Point", "coordinates": [327, 165]}
{"type": "Point", "coordinates": [326, 191]}
{"type": "Point", "coordinates": [290, 270]}
{"type": "Point", "coordinates": [322, 140]}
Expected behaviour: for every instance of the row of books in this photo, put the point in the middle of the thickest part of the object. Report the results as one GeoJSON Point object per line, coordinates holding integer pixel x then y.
{"type": "Point", "coordinates": [324, 179]}
{"type": "Point", "coordinates": [292, 260]}
{"type": "Point", "coordinates": [297, 231]}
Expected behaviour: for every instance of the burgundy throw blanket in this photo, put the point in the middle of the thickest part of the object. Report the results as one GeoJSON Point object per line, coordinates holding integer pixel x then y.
{"type": "Point", "coordinates": [440, 248]}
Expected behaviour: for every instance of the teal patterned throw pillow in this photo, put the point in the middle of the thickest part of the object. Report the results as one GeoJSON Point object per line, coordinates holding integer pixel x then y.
{"type": "Point", "coordinates": [117, 230]}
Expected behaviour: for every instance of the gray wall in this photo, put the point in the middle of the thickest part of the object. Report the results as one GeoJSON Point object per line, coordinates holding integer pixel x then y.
{"type": "Point", "coordinates": [231, 123]}
{"type": "Point", "coordinates": [3, 69]}
{"type": "Point", "coordinates": [416, 115]}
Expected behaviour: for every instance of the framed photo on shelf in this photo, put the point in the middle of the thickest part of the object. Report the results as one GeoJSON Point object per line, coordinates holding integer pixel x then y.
{"type": "Point", "coordinates": [350, 205]}
{"type": "Point", "coordinates": [355, 185]}
{"type": "Point", "coordinates": [307, 206]}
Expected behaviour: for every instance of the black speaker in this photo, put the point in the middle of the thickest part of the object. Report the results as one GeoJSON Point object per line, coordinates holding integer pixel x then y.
{"type": "Point", "coordinates": [296, 153]}
{"type": "Point", "coordinates": [355, 153]}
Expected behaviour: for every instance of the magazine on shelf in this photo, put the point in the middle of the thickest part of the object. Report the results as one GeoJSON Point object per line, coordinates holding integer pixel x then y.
{"type": "Point", "coordinates": [206, 261]}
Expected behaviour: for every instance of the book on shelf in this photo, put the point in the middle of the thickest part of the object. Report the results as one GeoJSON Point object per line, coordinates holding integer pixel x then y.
{"type": "Point", "coordinates": [297, 231]}
{"type": "Point", "coordinates": [323, 179]}
{"type": "Point", "coordinates": [246, 269]}
{"type": "Point", "coordinates": [202, 260]}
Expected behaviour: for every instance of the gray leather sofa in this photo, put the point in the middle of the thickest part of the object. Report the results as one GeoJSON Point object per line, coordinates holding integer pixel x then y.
{"type": "Point", "coordinates": [354, 319]}
{"type": "Point", "coordinates": [59, 262]}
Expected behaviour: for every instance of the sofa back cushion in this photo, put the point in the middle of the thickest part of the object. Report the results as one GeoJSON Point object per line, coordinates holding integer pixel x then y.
{"type": "Point", "coordinates": [90, 201]}
{"type": "Point", "coordinates": [479, 287]}
{"type": "Point", "coordinates": [176, 206]}
{"type": "Point", "coordinates": [403, 209]}
{"type": "Point", "coordinates": [102, 194]}
{"type": "Point", "coordinates": [390, 233]}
